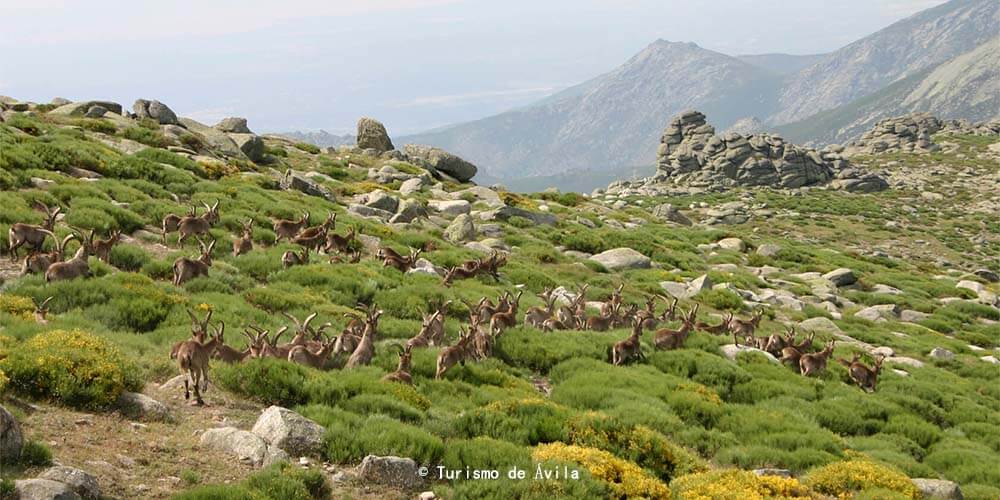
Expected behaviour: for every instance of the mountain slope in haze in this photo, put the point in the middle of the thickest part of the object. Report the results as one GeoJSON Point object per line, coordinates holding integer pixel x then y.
{"type": "Point", "coordinates": [923, 40]}
{"type": "Point", "coordinates": [782, 64]}
{"type": "Point", "coordinates": [321, 138]}
{"type": "Point", "coordinates": [967, 86]}
{"type": "Point", "coordinates": [615, 119]}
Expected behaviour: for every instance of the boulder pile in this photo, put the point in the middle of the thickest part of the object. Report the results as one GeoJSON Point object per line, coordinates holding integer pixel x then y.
{"type": "Point", "coordinates": [912, 134]}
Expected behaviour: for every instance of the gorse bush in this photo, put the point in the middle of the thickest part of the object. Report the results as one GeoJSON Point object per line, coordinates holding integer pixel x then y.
{"type": "Point", "coordinates": [737, 485]}
{"type": "Point", "coordinates": [75, 368]}
{"type": "Point", "coordinates": [624, 478]}
{"type": "Point", "coordinates": [850, 477]}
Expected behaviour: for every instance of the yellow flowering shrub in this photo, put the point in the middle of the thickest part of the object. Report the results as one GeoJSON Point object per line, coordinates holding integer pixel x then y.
{"type": "Point", "coordinates": [76, 368]}
{"type": "Point", "coordinates": [626, 479]}
{"type": "Point", "coordinates": [845, 479]}
{"type": "Point", "coordinates": [640, 444]}
{"type": "Point", "coordinates": [737, 484]}
{"type": "Point", "coordinates": [3, 381]}
{"type": "Point", "coordinates": [17, 306]}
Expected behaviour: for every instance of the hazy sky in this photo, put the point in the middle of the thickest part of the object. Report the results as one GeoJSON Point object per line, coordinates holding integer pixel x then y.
{"type": "Point", "coordinates": [414, 64]}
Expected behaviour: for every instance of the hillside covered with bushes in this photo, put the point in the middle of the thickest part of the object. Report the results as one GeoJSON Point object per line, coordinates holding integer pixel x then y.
{"type": "Point", "coordinates": [903, 278]}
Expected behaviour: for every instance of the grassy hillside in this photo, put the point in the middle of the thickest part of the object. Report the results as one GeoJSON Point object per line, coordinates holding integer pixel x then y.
{"type": "Point", "coordinates": [684, 422]}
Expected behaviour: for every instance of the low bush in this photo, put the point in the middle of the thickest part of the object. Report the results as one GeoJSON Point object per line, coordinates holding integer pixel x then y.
{"type": "Point", "coordinates": [381, 435]}
{"type": "Point", "coordinates": [279, 481]}
{"type": "Point", "coordinates": [267, 380]}
{"type": "Point", "coordinates": [308, 148]}
{"type": "Point", "coordinates": [624, 478]}
{"type": "Point", "coordinates": [737, 484]}
{"type": "Point", "coordinates": [485, 453]}
{"type": "Point", "coordinates": [851, 477]}
{"type": "Point", "coordinates": [76, 368]}
{"type": "Point", "coordinates": [521, 421]}
{"type": "Point", "coordinates": [35, 454]}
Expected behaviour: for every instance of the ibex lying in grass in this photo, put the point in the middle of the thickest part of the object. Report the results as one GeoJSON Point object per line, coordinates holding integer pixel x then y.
{"type": "Point", "coordinates": [626, 350]}
{"type": "Point", "coordinates": [453, 355]}
{"type": "Point", "coordinates": [186, 269]}
{"type": "Point", "coordinates": [865, 377]}
{"type": "Point", "coordinates": [172, 222]}
{"type": "Point", "coordinates": [392, 259]}
{"type": "Point", "coordinates": [192, 360]}
{"type": "Point", "coordinates": [365, 351]}
{"type": "Point", "coordinates": [198, 226]}
{"type": "Point", "coordinates": [813, 363]}
{"type": "Point", "coordinates": [199, 330]}
{"type": "Point", "coordinates": [352, 258]}
{"type": "Point", "coordinates": [460, 272]}
{"type": "Point", "coordinates": [775, 343]}
{"type": "Point", "coordinates": [609, 318]}
{"type": "Point", "coordinates": [21, 234]}
{"type": "Point", "coordinates": [263, 345]}
{"type": "Point", "coordinates": [42, 310]}
{"type": "Point", "coordinates": [288, 229]}
{"type": "Point", "coordinates": [719, 329]}
{"type": "Point", "coordinates": [290, 258]}
{"type": "Point", "coordinates": [402, 373]}
{"type": "Point", "coordinates": [423, 337]}
{"type": "Point", "coordinates": [77, 267]}
{"type": "Point", "coordinates": [244, 243]}
{"type": "Point", "coordinates": [229, 355]}
{"type": "Point", "coordinates": [614, 302]}
{"type": "Point", "coordinates": [37, 262]}
{"type": "Point", "coordinates": [315, 237]}
{"type": "Point", "coordinates": [302, 355]}
{"type": "Point", "coordinates": [744, 328]}
{"type": "Point", "coordinates": [674, 339]}
{"type": "Point", "coordinates": [338, 243]}
{"type": "Point", "coordinates": [493, 264]}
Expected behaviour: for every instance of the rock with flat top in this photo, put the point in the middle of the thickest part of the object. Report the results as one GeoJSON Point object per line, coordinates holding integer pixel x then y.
{"type": "Point", "coordinates": [289, 431]}
{"type": "Point", "coordinates": [244, 445]}
{"type": "Point", "coordinates": [391, 471]}
{"type": "Point", "coordinates": [622, 258]}
{"type": "Point", "coordinates": [79, 481]}
{"type": "Point", "coordinates": [43, 489]}
{"type": "Point", "coordinates": [938, 489]}
{"type": "Point", "coordinates": [140, 406]}
{"type": "Point", "coordinates": [841, 277]}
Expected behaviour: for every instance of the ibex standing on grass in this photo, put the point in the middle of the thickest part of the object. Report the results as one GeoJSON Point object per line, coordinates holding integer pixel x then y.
{"type": "Point", "coordinates": [453, 355]}
{"type": "Point", "coordinates": [813, 363]}
{"type": "Point", "coordinates": [192, 359]}
{"type": "Point", "coordinates": [631, 348]}
{"type": "Point", "coordinates": [288, 229]}
{"type": "Point", "coordinates": [199, 330]}
{"type": "Point", "coordinates": [198, 226]}
{"type": "Point", "coordinates": [865, 377]}
{"type": "Point", "coordinates": [171, 222]}
{"type": "Point", "coordinates": [674, 339]}
{"type": "Point", "coordinates": [77, 267]}
{"type": "Point", "coordinates": [36, 262]}
{"type": "Point", "coordinates": [21, 234]}
{"type": "Point", "coordinates": [186, 269]}
{"type": "Point", "coordinates": [365, 351]}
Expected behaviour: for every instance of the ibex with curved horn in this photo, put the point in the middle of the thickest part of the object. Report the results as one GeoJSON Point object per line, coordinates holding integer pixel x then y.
{"type": "Point", "coordinates": [171, 222]}
{"type": "Point", "coordinates": [865, 377]}
{"type": "Point", "coordinates": [192, 360]}
{"type": "Point", "coordinates": [288, 229]}
{"type": "Point", "coordinates": [244, 244]}
{"type": "Point", "coordinates": [32, 235]}
{"type": "Point", "coordinates": [186, 269]}
{"type": "Point", "coordinates": [198, 226]}
{"type": "Point", "coordinates": [40, 262]}
{"type": "Point", "coordinates": [402, 373]}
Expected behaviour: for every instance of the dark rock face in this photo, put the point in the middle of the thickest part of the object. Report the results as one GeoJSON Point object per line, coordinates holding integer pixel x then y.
{"type": "Point", "coordinates": [372, 135]}
{"type": "Point", "coordinates": [155, 110]}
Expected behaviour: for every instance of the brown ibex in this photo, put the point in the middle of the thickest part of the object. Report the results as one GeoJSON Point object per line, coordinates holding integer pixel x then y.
{"type": "Point", "coordinates": [77, 267]}
{"type": "Point", "coordinates": [315, 237]}
{"type": "Point", "coordinates": [460, 272]}
{"type": "Point", "coordinates": [608, 319]}
{"type": "Point", "coordinates": [507, 318]}
{"type": "Point", "coordinates": [197, 226]}
{"type": "Point", "coordinates": [290, 258]}
{"type": "Point", "coordinates": [365, 351]}
{"type": "Point", "coordinates": [244, 243]}
{"type": "Point", "coordinates": [39, 262]}
{"type": "Point", "coordinates": [227, 354]}
{"type": "Point", "coordinates": [865, 377]}
{"type": "Point", "coordinates": [199, 330]}
{"type": "Point", "coordinates": [744, 328]}
{"type": "Point", "coordinates": [626, 350]}
{"type": "Point", "coordinates": [192, 360]}
{"type": "Point", "coordinates": [614, 302]}
{"type": "Point", "coordinates": [340, 243]}
{"type": "Point", "coordinates": [393, 259]}
{"type": "Point", "coordinates": [423, 337]}
{"type": "Point", "coordinates": [289, 228]}
{"type": "Point", "coordinates": [21, 234]}
{"type": "Point", "coordinates": [41, 310]}
{"type": "Point", "coordinates": [535, 316]}
{"type": "Point", "coordinates": [186, 269]}
{"type": "Point", "coordinates": [172, 222]}
{"type": "Point", "coordinates": [666, 338]}
{"type": "Point", "coordinates": [402, 373]}
{"type": "Point", "coordinates": [302, 355]}
{"type": "Point", "coordinates": [719, 329]}
{"type": "Point", "coordinates": [815, 362]}
{"type": "Point", "coordinates": [101, 248]}
{"type": "Point", "coordinates": [455, 354]}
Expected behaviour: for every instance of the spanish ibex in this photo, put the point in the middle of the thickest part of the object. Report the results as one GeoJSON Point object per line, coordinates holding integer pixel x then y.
{"type": "Point", "coordinates": [315, 237]}
{"type": "Point", "coordinates": [244, 243]}
{"type": "Point", "coordinates": [171, 222]}
{"type": "Point", "coordinates": [198, 225]}
{"type": "Point", "coordinates": [626, 350]}
{"type": "Point", "coordinates": [77, 267]}
{"type": "Point", "coordinates": [507, 318]}
{"type": "Point", "coordinates": [290, 258]}
{"type": "Point", "coordinates": [42, 310]}
{"type": "Point", "coordinates": [302, 355]}
{"type": "Point", "coordinates": [865, 377]}
{"type": "Point", "coordinates": [37, 262]}
{"type": "Point", "coordinates": [100, 248]}
{"type": "Point", "coordinates": [288, 229]}
{"type": "Point", "coordinates": [199, 330]}
{"type": "Point", "coordinates": [455, 354]}
{"type": "Point", "coordinates": [186, 269]}
{"type": "Point", "coordinates": [21, 234]}
{"type": "Point", "coordinates": [813, 363]}
{"type": "Point", "coordinates": [535, 316]}
{"type": "Point", "coordinates": [392, 259]}
{"type": "Point", "coordinates": [365, 351]}
{"type": "Point", "coordinates": [192, 360]}
{"type": "Point", "coordinates": [336, 242]}
{"type": "Point", "coordinates": [674, 339]}
{"type": "Point", "coordinates": [745, 328]}
{"type": "Point", "coordinates": [402, 373]}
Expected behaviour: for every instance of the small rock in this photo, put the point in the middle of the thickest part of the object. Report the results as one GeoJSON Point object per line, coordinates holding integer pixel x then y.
{"type": "Point", "coordinates": [987, 275]}
{"type": "Point", "coordinates": [773, 472]}
{"type": "Point", "coordinates": [461, 229]}
{"type": "Point", "coordinates": [427, 495]}
{"type": "Point", "coordinates": [622, 258]}
{"type": "Point", "coordinates": [244, 445]}
{"type": "Point", "coordinates": [734, 244]}
{"type": "Point", "coordinates": [731, 351]}
{"type": "Point", "coordinates": [155, 110]}
{"type": "Point", "coordinates": [879, 312]}
{"type": "Point", "coordinates": [768, 250]}
{"type": "Point", "coordinates": [911, 316]}
{"type": "Point", "coordinates": [285, 429]}
{"type": "Point", "coordinates": [820, 324]}
{"type": "Point", "coordinates": [381, 200]}
{"type": "Point", "coordinates": [411, 186]}
{"type": "Point", "coordinates": [11, 439]}
{"type": "Point", "coordinates": [941, 353]}
{"type": "Point", "coordinates": [938, 489]}
{"type": "Point", "coordinates": [233, 124]}
{"type": "Point", "coordinates": [883, 351]}
{"type": "Point", "coordinates": [43, 489]}
{"type": "Point", "coordinates": [975, 286]}
{"type": "Point", "coordinates": [81, 482]}
{"type": "Point", "coordinates": [390, 471]}
{"type": "Point", "coordinates": [668, 213]}
{"type": "Point", "coordinates": [450, 208]}
{"type": "Point", "coordinates": [905, 361]}
{"type": "Point", "coordinates": [142, 407]}
{"type": "Point", "coordinates": [841, 277]}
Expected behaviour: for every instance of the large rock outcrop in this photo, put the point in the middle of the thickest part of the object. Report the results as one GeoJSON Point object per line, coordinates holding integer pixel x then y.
{"type": "Point", "coordinates": [691, 153]}
{"type": "Point", "coordinates": [80, 108]}
{"type": "Point", "coordinates": [372, 135]}
{"type": "Point", "coordinates": [289, 431]}
{"type": "Point", "coordinates": [154, 110]}
{"type": "Point", "coordinates": [912, 134]}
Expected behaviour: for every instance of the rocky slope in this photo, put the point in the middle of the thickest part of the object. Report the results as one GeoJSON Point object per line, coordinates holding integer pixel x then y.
{"type": "Point", "coordinates": [612, 120]}
{"type": "Point", "coordinates": [921, 41]}
{"type": "Point", "coordinates": [907, 276]}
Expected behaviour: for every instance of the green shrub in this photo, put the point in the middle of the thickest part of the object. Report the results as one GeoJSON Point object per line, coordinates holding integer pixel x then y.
{"type": "Point", "coordinates": [75, 368]}
{"type": "Point", "coordinates": [381, 404]}
{"type": "Point", "coordinates": [721, 299]}
{"type": "Point", "coordinates": [702, 367]}
{"type": "Point", "coordinates": [923, 433]}
{"type": "Point", "coordinates": [279, 481]}
{"type": "Point", "coordinates": [35, 454]}
{"type": "Point", "coordinates": [267, 380]}
{"type": "Point", "coordinates": [151, 138]}
{"type": "Point", "coordinates": [521, 421]}
{"type": "Point", "coordinates": [308, 148]}
{"type": "Point", "coordinates": [130, 258]}
{"type": "Point", "coordinates": [556, 489]}
{"type": "Point", "coordinates": [485, 453]}
{"type": "Point", "coordinates": [7, 489]}
{"type": "Point", "coordinates": [381, 435]}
